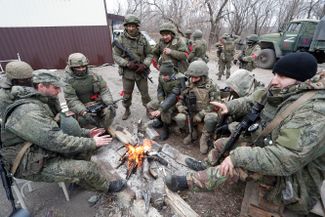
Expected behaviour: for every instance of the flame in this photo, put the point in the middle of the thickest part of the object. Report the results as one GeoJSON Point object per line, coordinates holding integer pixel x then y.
{"type": "Point", "coordinates": [136, 153]}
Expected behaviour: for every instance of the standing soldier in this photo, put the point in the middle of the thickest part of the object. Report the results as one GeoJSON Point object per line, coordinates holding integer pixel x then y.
{"type": "Point", "coordinates": [188, 41]}
{"type": "Point", "coordinates": [225, 53]}
{"type": "Point", "coordinates": [194, 103]}
{"type": "Point", "coordinates": [171, 47]}
{"type": "Point", "coordinates": [248, 56]}
{"type": "Point", "coordinates": [169, 89]}
{"type": "Point", "coordinates": [133, 71]}
{"type": "Point", "coordinates": [84, 90]}
{"type": "Point", "coordinates": [200, 47]}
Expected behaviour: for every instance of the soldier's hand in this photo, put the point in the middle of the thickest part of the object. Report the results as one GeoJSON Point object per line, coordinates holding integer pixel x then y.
{"type": "Point", "coordinates": [220, 107]}
{"type": "Point", "coordinates": [226, 168]}
{"type": "Point", "coordinates": [96, 131]}
{"type": "Point", "coordinates": [141, 68]}
{"type": "Point", "coordinates": [167, 51]}
{"type": "Point", "coordinates": [182, 109]}
{"type": "Point", "coordinates": [155, 113]}
{"type": "Point", "coordinates": [197, 118]}
{"type": "Point", "coordinates": [102, 140]}
{"type": "Point", "coordinates": [90, 119]}
{"type": "Point", "coordinates": [132, 65]}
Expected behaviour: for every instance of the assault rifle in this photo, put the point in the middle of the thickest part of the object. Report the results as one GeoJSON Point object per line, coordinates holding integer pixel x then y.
{"type": "Point", "coordinates": [7, 181]}
{"type": "Point", "coordinates": [241, 61]}
{"type": "Point", "coordinates": [131, 57]}
{"type": "Point", "coordinates": [94, 107]}
{"type": "Point", "coordinates": [244, 126]}
{"type": "Point", "coordinates": [190, 102]}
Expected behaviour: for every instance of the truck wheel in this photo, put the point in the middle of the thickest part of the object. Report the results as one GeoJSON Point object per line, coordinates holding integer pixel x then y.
{"type": "Point", "coordinates": [266, 59]}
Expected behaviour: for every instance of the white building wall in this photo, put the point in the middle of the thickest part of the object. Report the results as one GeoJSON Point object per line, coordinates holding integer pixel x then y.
{"type": "Point", "coordinates": [37, 13]}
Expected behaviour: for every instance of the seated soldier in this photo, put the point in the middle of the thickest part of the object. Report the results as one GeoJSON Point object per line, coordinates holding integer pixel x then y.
{"type": "Point", "coordinates": [288, 157]}
{"type": "Point", "coordinates": [169, 89]}
{"type": "Point", "coordinates": [87, 94]}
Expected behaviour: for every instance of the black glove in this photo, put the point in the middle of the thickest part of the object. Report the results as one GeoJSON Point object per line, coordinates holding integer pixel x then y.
{"type": "Point", "coordinates": [132, 65]}
{"type": "Point", "coordinates": [90, 119]}
{"type": "Point", "coordinates": [141, 68]}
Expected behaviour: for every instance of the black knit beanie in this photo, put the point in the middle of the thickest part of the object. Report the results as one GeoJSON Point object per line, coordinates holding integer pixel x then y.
{"type": "Point", "coordinates": [167, 68]}
{"type": "Point", "coordinates": [300, 66]}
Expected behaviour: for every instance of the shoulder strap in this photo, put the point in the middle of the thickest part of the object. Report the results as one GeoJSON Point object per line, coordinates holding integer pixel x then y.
{"type": "Point", "coordinates": [289, 110]}
{"type": "Point", "coordinates": [20, 156]}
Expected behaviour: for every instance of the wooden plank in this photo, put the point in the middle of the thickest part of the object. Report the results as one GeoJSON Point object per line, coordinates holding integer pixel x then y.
{"type": "Point", "coordinates": [123, 137]}
{"type": "Point", "coordinates": [179, 205]}
{"type": "Point", "coordinates": [254, 211]}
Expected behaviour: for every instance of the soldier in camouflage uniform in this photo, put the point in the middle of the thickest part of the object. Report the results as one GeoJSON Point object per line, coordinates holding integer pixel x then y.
{"type": "Point", "coordinates": [225, 53]}
{"type": "Point", "coordinates": [84, 89]}
{"type": "Point", "coordinates": [171, 47]}
{"type": "Point", "coordinates": [169, 89]}
{"type": "Point", "coordinates": [188, 41]}
{"type": "Point", "coordinates": [48, 154]}
{"type": "Point", "coordinates": [288, 159]}
{"type": "Point", "coordinates": [203, 91]}
{"type": "Point", "coordinates": [200, 47]}
{"type": "Point", "coordinates": [18, 73]}
{"type": "Point", "coordinates": [132, 71]}
{"type": "Point", "coordinates": [248, 57]}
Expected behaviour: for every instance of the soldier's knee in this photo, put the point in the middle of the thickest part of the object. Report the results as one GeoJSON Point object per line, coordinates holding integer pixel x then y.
{"type": "Point", "coordinates": [180, 119]}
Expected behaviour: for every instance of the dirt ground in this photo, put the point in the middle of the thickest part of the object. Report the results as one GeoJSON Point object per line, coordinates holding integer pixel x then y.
{"type": "Point", "coordinates": [47, 200]}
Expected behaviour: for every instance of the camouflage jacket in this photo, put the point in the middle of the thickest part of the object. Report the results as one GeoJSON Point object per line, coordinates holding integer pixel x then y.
{"type": "Point", "coordinates": [5, 96]}
{"type": "Point", "coordinates": [249, 56]}
{"type": "Point", "coordinates": [294, 152]}
{"type": "Point", "coordinates": [199, 50]}
{"type": "Point", "coordinates": [31, 118]}
{"type": "Point", "coordinates": [139, 47]}
{"type": "Point", "coordinates": [205, 92]}
{"type": "Point", "coordinates": [178, 55]}
{"type": "Point", "coordinates": [84, 89]}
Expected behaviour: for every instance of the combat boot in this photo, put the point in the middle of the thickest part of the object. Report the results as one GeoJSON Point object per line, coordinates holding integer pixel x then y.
{"type": "Point", "coordinates": [189, 138]}
{"type": "Point", "coordinates": [164, 133]}
{"type": "Point", "coordinates": [126, 114]}
{"type": "Point", "coordinates": [204, 142]}
{"type": "Point", "coordinates": [176, 183]}
{"type": "Point", "coordinates": [116, 185]}
{"type": "Point", "coordinates": [195, 164]}
{"type": "Point", "coordinates": [156, 123]}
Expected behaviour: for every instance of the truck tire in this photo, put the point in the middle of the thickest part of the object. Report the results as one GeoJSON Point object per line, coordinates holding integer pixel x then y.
{"type": "Point", "coordinates": [266, 59]}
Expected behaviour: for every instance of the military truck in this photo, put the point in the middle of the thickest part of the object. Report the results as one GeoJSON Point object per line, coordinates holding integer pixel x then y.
{"type": "Point", "coordinates": [300, 35]}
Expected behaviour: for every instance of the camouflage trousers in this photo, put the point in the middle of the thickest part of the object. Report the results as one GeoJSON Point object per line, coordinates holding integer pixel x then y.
{"type": "Point", "coordinates": [249, 66]}
{"type": "Point", "coordinates": [82, 172]}
{"type": "Point", "coordinates": [104, 119]}
{"type": "Point", "coordinates": [224, 64]}
{"type": "Point", "coordinates": [128, 87]}
{"type": "Point", "coordinates": [166, 117]}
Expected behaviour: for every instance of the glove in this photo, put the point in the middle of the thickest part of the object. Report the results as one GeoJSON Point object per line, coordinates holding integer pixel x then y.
{"type": "Point", "coordinates": [90, 119]}
{"type": "Point", "coordinates": [141, 68]}
{"type": "Point", "coordinates": [132, 65]}
{"type": "Point", "coordinates": [235, 61]}
{"type": "Point", "coordinates": [182, 109]}
{"type": "Point", "coordinates": [197, 118]}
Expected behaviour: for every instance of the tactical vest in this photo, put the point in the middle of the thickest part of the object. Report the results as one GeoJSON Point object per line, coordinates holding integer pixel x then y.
{"type": "Point", "coordinates": [202, 96]}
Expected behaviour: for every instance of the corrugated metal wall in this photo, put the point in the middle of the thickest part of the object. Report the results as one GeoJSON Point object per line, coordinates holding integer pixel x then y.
{"type": "Point", "coordinates": [49, 47]}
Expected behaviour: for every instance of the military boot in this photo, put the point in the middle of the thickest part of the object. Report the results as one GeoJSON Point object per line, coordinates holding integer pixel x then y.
{"type": "Point", "coordinates": [156, 123]}
{"type": "Point", "coordinates": [116, 185]}
{"type": "Point", "coordinates": [126, 114]}
{"type": "Point", "coordinates": [176, 183]}
{"type": "Point", "coordinates": [189, 138]}
{"type": "Point", "coordinates": [164, 133]}
{"type": "Point", "coordinates": [195, 164]}
{"type": "Point", "coordinates": [204, 142]}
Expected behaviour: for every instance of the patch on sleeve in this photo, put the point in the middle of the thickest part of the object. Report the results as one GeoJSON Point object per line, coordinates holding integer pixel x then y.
{"type": "Point", "coordinates": [289, 138]}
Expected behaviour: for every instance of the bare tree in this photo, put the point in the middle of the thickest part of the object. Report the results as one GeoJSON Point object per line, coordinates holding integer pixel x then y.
{"type": "Point", "coordinates": [238, 17]}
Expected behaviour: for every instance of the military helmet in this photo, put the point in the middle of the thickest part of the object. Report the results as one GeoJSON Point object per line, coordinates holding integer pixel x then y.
{"type": "Point", "coordinates": [188, 32]}
{"type": "Point", "coordinates": [77, 60]}
{"type": "Point", "coordinates": [197, 34]}
{"type": "Point", "coordinates": [131, 19]}
{"type": "Point", "coordinates": [242, 82]}
{"type": "Point", "coordinates": [225, 35]}
{"type": "Point", "coordinates": [197, 68]}
{"type": "Point", "coordinates": [18, 70]}
{"type": "Point", "coordinates": [169, 27]}
{"type": "Point", "coordinates": [252, 38]}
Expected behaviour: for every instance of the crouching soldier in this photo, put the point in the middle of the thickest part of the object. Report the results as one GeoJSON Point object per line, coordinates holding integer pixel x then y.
{"type": "Point", "coordinates": [195, 100]}
{"type": "Point", "coordinates": [169, 88]}
{"type": "Point", "coordinates": [87, 94]}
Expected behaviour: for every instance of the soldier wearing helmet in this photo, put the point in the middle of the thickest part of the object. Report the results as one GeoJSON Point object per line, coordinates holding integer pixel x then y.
{"type": "Point", "coordinates": [248, 56]}
{"type": "Point", "coordinates": [132, 71]}
{"type": "Point", "coordinates": [85, 90]}
{"type": "Point", "coordinates": [17, 73]}
{"type": "Point", "coordinates": [194, 101]}
{"type": "Point", "coordinates": [170, 47]}
{"type": "Point", "coordinates": [200, 47]}
{"type": "Point", "coordinates": [225, 53]}
{"type": "Point", "coordinates": [188, 40]}
{"type": "Point", "coordinates": [169, 88]}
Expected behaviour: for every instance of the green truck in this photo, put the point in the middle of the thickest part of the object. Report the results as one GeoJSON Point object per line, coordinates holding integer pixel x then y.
{"type": "Point", "coordinates": [300, 35]}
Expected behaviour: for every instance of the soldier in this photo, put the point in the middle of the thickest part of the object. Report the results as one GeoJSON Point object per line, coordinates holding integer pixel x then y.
{"type": "Point", "coordinates": [248, 56]}
{"type": "Point", "coordinates": [194, 101]}
{"type": "Point", "coordinates": [84, 90]}
{"type": "Point", "coordinates": [34, 148]}
{"type": "Point", "coordinates": [225, 53]}
{"type": "Point", "coordinates": [171, 47]}
{"type": "Point", "coordinates": [200, 47]}
{"type": "Point", "coordinates": [132, 71]}
{"type": "Point", "coordinates": [188, 41]}
{"type": "Point", "coordinates": [18, 73]}
{"type": "Point", "coordinates": [288, 155]}
{"type": "Point", "coordinates": [169, 89]}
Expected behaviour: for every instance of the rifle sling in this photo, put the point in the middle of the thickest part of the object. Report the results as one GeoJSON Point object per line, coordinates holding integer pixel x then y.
{"type": "Point", "coordinates": [20, 156]}
{"type": "Point", "coordinates": [289, 110]}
